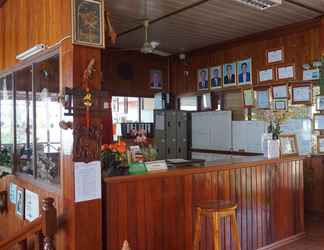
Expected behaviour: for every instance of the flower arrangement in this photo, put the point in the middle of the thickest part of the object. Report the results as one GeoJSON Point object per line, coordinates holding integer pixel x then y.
{"type": "Point", "coordinates": [113, 153]}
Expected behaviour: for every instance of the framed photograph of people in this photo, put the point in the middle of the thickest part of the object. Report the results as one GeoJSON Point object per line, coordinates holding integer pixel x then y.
{"type": "Point", "coordinates": [320, 103]}
{"type": "Point", "coordinates": [88, 23]}
{"type": "Point", "coordinates": [288, 145]}
{"type": "Point", "coordinates": [216, 77]}
{"type": "Point", "coordinates": [262, 99]}
{"type": "Point", "coordinates": [280, 104]}
{"type": "Point", "coordinates": [248, 98]}
{"type": "Point", "coordinates": [318, 122]}
{"type": "Point", "coordinates": [20, 202]}
{"type": "Point", "coordinates": [320, 144]}
{"type": "Point", "coordinates": [229, 74]}
{"type": "Point", "coordinates": [302, 94]}
{"type": "Point", "coordinates": [280, 91]}
{"type": "Point", "coordinates": [202, 79]}
{"type": "Point", "coordinates": [286, 72]}
{"type": "Point", "coordinates": [266, 75]}
{"type": "Point", "coordinates": [244, 71]}
{"type": "Point", "coordinates": [274, 56]}
{"type": "Point", "coordinates": [156, 81]}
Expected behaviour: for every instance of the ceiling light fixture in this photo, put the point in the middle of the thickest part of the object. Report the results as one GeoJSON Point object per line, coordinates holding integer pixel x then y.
{"type": "Point", "coordinates": [261, 4]}
{"type": "Point", "coordinates": [30, 52]}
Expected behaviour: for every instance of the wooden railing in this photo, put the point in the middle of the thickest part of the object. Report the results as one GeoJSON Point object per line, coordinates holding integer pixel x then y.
{"type": "Point", "coordinates": [44, 228]}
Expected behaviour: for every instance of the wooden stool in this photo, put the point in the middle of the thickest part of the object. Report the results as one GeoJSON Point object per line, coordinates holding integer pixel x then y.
{"type": "Point", "coordinates": [216, 210]}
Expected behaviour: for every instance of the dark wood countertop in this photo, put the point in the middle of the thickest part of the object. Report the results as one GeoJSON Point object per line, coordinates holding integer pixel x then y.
{"type": "Point", "coordinates": [235, 162]}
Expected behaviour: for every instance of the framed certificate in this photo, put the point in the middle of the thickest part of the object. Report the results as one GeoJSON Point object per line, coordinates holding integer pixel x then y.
{"type": "Point", "coordinates": [320, 103]}
{"type": "Point", "coordinates": [274, 56]}
{"type": "Point", "coordinates": [280, 104]}
{"type": "Point", "coordinates": [248, 98]}
{"type": "Point", "coordinates": [280, 91]}
{"type": "Point", "coordinates": [266, 75]}
{"type": "Point", "coordinates": [320, 144]}
{"type": "Point", "coordinates": [286, 72]}
{"type": "Point", "coordinates": [262, 99]}
{"type": "Point", "coordinates": [318, 121]}
{"type": "Point", "coordinates": [311, 74]}
{"type": "Point", "coordinates": [302, 94]}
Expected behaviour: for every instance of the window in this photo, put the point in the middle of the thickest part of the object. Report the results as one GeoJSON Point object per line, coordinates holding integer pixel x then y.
{"type": "Point", "coordinates": [188, 103]}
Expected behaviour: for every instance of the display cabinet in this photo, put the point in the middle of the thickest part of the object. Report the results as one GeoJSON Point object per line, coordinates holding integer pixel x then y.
{"type": "Point", "coordinates": [29, 116]}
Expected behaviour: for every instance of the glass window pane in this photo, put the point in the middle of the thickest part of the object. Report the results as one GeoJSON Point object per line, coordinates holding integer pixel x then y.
{"type": "Point", "coordinates": [147, 112]}
{"type": "Point", "coordinates": [24, 120]}
{"type": "Point", "coordinates": [6, 121]}
{"type": "Point", "coordinates": [48, 116]}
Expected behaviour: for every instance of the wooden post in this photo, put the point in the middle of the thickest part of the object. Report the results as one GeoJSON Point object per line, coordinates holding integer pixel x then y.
{"type": "Point", "coordinates": [49, 223]}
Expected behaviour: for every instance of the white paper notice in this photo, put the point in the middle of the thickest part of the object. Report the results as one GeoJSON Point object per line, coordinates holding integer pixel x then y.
{"type": "Point", "coordinates": [87, 181]}
{"type": "Point", "coordinates": [31, 206]}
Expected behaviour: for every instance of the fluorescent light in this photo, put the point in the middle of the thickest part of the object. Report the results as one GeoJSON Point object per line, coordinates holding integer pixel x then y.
{"type": "Point", "coordinates": [30, 52]}
{"type": "Point", "coordinates": [261, 4]}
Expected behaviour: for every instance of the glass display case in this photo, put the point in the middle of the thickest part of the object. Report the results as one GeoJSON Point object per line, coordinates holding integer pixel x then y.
{"type": "Point", "coordinates": [29, 116]}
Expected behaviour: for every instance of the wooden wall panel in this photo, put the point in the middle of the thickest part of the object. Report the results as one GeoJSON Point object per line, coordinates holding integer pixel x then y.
{"type": "Point", "coordinates": [301, 44]}
{"type": "Point", "coordinates": [158, 213]}
{"type": "Point", "coordinates": [141, 65]}
{"type": "Point", "coordinates": [24, 24]}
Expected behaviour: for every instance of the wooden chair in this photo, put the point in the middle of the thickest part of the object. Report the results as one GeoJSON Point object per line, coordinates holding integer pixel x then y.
{"type": "Point", "coordinates": [216, 210]}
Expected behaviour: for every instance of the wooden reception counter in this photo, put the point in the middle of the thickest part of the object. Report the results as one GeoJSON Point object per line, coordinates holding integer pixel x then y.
{"type": "Point", "coordinates": [155, 211]}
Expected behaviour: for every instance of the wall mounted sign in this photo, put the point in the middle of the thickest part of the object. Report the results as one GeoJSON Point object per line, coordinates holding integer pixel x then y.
{"type": "Point", "coordinates": [88, 25]}
{"type": "Point", "coordinates": [31, 206]}
{"type": "Point", "coordinates": [286, 72]}
{"type": "Point", "coordinates": [275, 56]}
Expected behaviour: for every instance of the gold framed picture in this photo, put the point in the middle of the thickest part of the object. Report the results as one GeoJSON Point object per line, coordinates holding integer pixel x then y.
{"type": "Point", "coordinates": [320, 103]}
{"type": "Point", "coordinates": [318, 122]}
{"type": "Point", "coordinates": [302, 94]}
{"type": "Point", "coordinates": [274, 56]}
{"type": "Point", "coordinates": [286, 72]}
{"type": "Point", "coordinates": [88, 23]}
{"type": "Point", "coordinates": [248, 98]}
{"type": "Point", "coordinates": [288, 145]}
{"type": "Point", "coordinates": [280, 104]}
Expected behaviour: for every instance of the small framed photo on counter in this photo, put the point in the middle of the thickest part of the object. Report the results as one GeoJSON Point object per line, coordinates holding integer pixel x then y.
{"type": "Point", "coordinates": [280, 104]}
{"type": "Point", "coordinates": [20, 202]}
{"type": "Point", "coordinates": [274, 56]}
{"type": "Point", "coordinates": [280, 91]}
{"type": "Point", "coordinates": [266, 75]}
{"type": "Point", "coordinates": [320, 103]}
{"type": "Point", "coordinates": [286, 72]}
{"type": "Point", "coordinates": [288, 145]}
{"type": "Point", "coordinates": [318, 121]}
{"type": "Point", "coordinates": [262, 99]}
{"type": "Point", "coordinates": [248, 98]}
{"type": "Point", "coordinates": [302, 94]}
{"type": "Point", "coordinates": [320, 144]}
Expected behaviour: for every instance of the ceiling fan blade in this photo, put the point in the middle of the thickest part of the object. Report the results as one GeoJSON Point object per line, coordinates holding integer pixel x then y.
{"type": "Point", "coordinates": [161, 53]}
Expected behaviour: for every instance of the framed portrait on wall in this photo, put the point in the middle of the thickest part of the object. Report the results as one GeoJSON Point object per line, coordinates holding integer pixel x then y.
{"type": "Point", "coordinates": [248, 98]}
{"type": "Point", "coordinates": [280, 91]}
{"type": "Point", "coordinates": [280, 104]}
{"type": "Point", "coordinates": [156, 81]}
{"type": "Point", "coordinates": [229, 74]}
{"type": "Point", "coordinates": [20, 202]}
{"type": "Point", "coordinates": [216, 77]}
{"type": "Point", "coordinates": [302, 94]}
{"type": "Point", "coordinates": [202, 79]}
{"type": "Point", "coordinates": [274, 56]}
{"type": "Point", "coordinates": [244, 71]}
{"type": "Point", "coordinates": [288, 145]}
{"type": "Point", "coordinates": [266, 75]}
{"type": "Point", "coordinates": [88, 23]}
{"type": "Point", "coordinates": [286, 72]}
{"type": "Point", "coordinates": [262, 99]}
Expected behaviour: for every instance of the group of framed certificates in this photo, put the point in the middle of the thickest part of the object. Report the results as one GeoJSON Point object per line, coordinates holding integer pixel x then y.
{"type": "Point", "coordinates": [318, 123]}
{"type": "Point", "coordinates": [261, 97]}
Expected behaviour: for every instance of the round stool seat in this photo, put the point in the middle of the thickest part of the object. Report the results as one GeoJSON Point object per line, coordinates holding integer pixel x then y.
{"type": "Point", "coordinates": [217, 206]}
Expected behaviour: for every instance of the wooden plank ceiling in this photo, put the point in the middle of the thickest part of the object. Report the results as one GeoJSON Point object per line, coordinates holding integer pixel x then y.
{"type": "Point", "coordinates": [206, 23]}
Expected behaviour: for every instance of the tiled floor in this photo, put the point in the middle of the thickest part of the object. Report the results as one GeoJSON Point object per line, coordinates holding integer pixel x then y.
{"type": "Point", "coordinates": [314, 235]}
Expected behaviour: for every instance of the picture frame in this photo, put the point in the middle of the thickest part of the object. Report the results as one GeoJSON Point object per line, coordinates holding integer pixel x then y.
{"type": "Point", "coordinates": [288, 145]}
{"type": "Point", "coordinates": [86, 33]}
{"type": "Point", "coordinates": [280, 91]}
{"type": "Point", "coordinates": [275, 56]}
{"type": "Point", "coordinates": [248, 98]}
{"type": "Point", "coordinates": [318, 122]}
{"type": "Point", "coordinates": [311, 75]}
{"type": "Point", "coordinates": [320, 144]}
{"type": "Point", "coordinates": [280, 104]}
{"type": "Point", "coordinates": [216, 77]}
{"type": "Point", "coordinates": [262, 98]}
{"type": "Point", "coordinates": [287, 72]}
{"type": "Point", "coordinates": [302, 94]}
{"type": "Point", "coordinates": [244, 71]}
{"type": "Point", "coordinates": [266, 75]}
{"type": "Point", "coordinates": [229, 75]}
{"type": "Point", "coordinates": [20, 202]}
{"type": "Point", "coordinates": [203, 79]}
{"type": "Point", "coordinates": [320, 103]}
{"type": "Point", "coordinates": [156, 79]}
